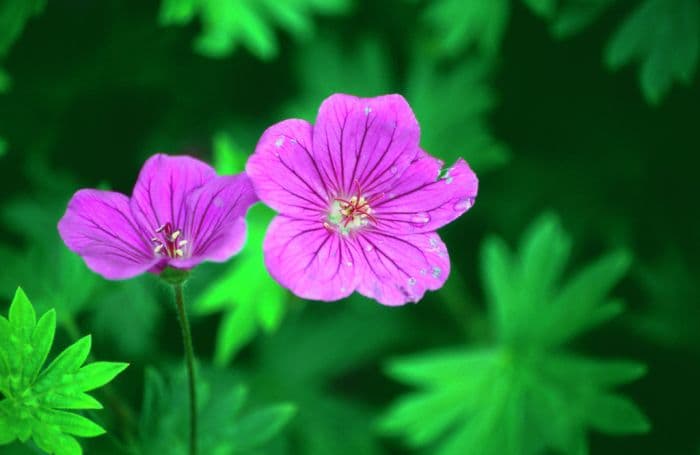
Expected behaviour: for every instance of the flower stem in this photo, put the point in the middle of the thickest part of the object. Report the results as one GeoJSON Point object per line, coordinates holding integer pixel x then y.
{"type": "Point", "coordinates": [189, 357]}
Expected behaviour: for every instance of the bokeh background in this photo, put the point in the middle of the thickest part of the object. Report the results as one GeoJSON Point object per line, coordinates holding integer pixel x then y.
{"type": "Point", "coordinates": [570, 323]}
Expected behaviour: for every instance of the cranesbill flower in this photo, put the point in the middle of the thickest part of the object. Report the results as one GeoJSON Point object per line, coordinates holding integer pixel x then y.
{"type": "Point", "coordinates": [180, 214]}
{"type": "Point", "coordinates": [359, 202]}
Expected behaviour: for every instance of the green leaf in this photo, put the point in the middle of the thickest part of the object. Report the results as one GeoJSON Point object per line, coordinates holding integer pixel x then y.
{"type": "Point", "coordinates": [360, 67]}
{"type": "Point", "coordinates": [260, 426]}
{"type": "Point", "coordinates": [525, 393]}
{"type": "Point", "coordinates": [227, 24]}
{"type": "Point", "coordinates": [34, 401]}
{"type": "Point", "coordinates": [13, 17]}
{"type": "Point", "coordinates": [226, 425]}
{"type": "Point", "coordinates": [456, 25]}
{"type": "Point", "coordinates": [568, 17]}
{"type": "Point", "coordinates": [664, 37]}
{"type": "Point", "coordinates": [249, 298]}
{"type": "Point", "coordinates": [456, 100]}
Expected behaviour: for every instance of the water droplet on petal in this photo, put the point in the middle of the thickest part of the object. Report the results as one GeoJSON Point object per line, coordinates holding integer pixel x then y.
{"type": "Point", "coordinates": [437, 271]}
{"type": "Point", "coordinates": [423, 271]}
{"type": "Point", "coordinates": [448, 180]}
{"type": "Point", "coordinates": [411, 281]}
{"type": "Point", "coordinates": [367, 110]}
{"type": "Point", "coordinates": [463, 205]}
{"type": "Point", "coordinates": [394, 169]}
{"type": "Point", "coordinates": [218, 202]}
{"type": "Point", "coordinates": [348, 263]}
{"type": "Point", "coordinates": [369, 247]}
{"type": "Point", "coordinates": [343, 289]}
{"type": "Point", "coordinates": [279, 142]}
{"type": "Point", "coordinates": [420, 219]}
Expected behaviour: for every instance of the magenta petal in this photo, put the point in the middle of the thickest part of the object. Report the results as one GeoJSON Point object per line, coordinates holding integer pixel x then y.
{"type": "Point", "coordinates": [309, 260]}
{"type": "Point", "coordinates": [423, 201]}
{"type": "Point", "coordinates": [284, 172]}
{"type": "Point", "coordinates": [215, 213]}
{"type": "Point", "coordinates": [369, 141]}
{"type": "Point", "coordinates": [98, 226]}
{"type": "Point", "coordinates": [163, 184]}
{"type": "Point", "coordinates": [399, 269]}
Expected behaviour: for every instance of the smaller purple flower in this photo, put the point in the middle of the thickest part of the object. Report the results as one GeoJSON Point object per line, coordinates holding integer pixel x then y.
{"type": "Point", "coordinates": [359, 202]}
{"type": "Point", "coordinates": [180, 213]}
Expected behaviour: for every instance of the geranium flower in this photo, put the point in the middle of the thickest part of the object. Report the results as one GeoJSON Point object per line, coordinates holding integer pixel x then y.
{"type": "Point", "coordinates": [358, 202]}
{"type": "Point", "coordinates": [180, 214]}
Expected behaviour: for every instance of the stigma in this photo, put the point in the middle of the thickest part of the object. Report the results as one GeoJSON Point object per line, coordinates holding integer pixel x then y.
{"type": "Point", "coordinates": [348, 214]}
{"type": "Point", "coordinates": [168, 243]}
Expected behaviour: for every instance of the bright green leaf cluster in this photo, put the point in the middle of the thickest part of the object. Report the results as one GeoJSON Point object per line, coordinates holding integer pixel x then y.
{"type": "Point", "coordinates": [224, 427]}
{"type": "Point", "coordinates": [248, 296]}
{"type": "Point", "coordinates": [229, 23]}
{"type": "Point", "coordinates": [664, 36]}
{"type": "Point", "coordinates": [250, 299]}
{"type": "Point", "coordinates": [35, 401]}
{"type": "Point", "coordinates": [509, 398]}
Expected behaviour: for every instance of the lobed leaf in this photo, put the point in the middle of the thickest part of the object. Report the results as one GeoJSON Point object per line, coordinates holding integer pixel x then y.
{"type": "Point", "coordinates": [34, 400]}
{"type": "Point", "coordinates": [664, 36]}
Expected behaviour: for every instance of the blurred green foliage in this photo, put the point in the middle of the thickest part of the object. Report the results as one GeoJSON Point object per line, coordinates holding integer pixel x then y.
{"type": "Point", "coordinates": [520, 88]}
{"type": "Point", "coordinates": [225, 428]}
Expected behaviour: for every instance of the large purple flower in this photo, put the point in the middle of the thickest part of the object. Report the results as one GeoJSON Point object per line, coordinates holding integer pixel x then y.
{"type": "Point", "coordinates": [359, 202]}
{"type": "Point", "coordinates": [180, 214]}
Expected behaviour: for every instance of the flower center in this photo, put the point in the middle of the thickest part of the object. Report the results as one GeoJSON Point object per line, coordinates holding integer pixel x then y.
{"type": "Point", "coordinates": [168, 242]}
{"type": "Point", "coordinates": [349, 214]}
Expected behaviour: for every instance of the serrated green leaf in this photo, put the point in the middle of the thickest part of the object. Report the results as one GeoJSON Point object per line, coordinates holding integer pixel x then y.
{"type": "Point", "coordinates": [33, 399]}
{"type": "Point", "coordinates": [97, 374]}
{"type": "Point", "coordinates": [664, 36]}
{"type": "Point", "coordinates": [227, 24]}
{"type": "Point", "coordinates": [508, 398]}
{"type": "Point", "coordinates": [69, 360]}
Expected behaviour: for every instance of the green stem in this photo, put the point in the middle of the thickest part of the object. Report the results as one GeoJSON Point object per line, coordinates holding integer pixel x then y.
{"type": "Point", "coordinates": [189, 357]}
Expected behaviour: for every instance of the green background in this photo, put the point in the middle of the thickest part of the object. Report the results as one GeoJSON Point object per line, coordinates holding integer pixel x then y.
{"type": "Point", "coordinates": [595, 124]}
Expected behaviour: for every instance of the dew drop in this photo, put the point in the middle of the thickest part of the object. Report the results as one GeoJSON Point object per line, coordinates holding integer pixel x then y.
{"type": "Point", "coordinates": [420, 219]}
{"type": "Point", "coordinates": [367, 110]}
{"type": "Point", "coordinates": [463, 205]}
{"type": "Point", "coordinates": [279, 142]}
{"type": "Point", "coordinates": [411, 281]}
{"type": "Point", "coordinates": [343, 289]}
{"type": "Point", "coordinates": [448, 180]}
{"type": "Point", "coordinates": [348, 263]}
{"type": "Point", "coordinates": [369, 247]}
{"type": "Point", "coordinates": [423, 271]}
{"type": "Point", "coordinates": [437, 271]}
{"type": "Point", "coordinates": [394, 169]}
{"type": "Point", "coordinates": [218, 202]}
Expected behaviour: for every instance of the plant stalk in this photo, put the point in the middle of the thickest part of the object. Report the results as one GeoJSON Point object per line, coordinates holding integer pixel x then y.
{"type": "Point", "coordinates": [189, 358]}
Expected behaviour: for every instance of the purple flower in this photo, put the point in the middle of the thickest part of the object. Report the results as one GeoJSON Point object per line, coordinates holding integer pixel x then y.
{"type": "Point", "coordinates": [180, 214]}
{"type": "Point", "coordinates": [359, 202]}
